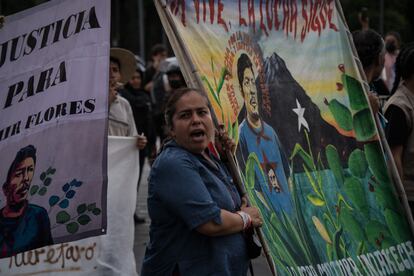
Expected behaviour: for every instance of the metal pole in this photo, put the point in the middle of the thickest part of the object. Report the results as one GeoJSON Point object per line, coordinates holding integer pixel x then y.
{"type": "Point", "coordinates": [141, 29]}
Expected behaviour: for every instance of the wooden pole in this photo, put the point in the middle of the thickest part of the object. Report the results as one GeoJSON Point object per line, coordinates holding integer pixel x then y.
{"type": "Point", "coordinates": [392, 168]}
{"type": "Point", "coordinates": [192, 77]}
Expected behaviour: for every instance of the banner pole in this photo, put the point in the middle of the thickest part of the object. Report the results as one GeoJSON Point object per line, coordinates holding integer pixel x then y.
{"type": "Point", "coordinates": [384, 144]}
{"type": "Point", "coordinates": [191, 76]}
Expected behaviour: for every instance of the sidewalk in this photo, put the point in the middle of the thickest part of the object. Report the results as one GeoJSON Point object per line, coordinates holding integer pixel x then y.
{"type": "Point", "coordinates": [141, 231]}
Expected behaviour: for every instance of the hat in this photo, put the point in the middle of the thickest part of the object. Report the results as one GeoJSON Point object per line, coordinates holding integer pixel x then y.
{"type": "Point", "coordinates": [173, 68]}
{"type": "Point", "coordinates": [127, 60]}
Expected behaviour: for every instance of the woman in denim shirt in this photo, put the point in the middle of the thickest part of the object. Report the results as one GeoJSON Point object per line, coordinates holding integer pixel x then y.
{"type": "Point", "coordinates": [197, 215]}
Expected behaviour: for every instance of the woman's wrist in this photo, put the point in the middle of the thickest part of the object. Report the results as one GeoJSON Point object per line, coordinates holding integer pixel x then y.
{"type": "Point", "coordinates": [247, 220]}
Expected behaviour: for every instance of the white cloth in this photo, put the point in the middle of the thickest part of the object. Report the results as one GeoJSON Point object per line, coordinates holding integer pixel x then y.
{"type": "Point", "coordinates": [121, 119]}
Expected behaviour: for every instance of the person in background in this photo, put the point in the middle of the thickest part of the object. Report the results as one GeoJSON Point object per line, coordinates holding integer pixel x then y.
{"type": "Point", "coordinates": [140, 102]}
{"type": "Point", "coordinates": [158, 54]}
{"type": "Point", "coordinates": [197, 215]}
{"type": "Point", "coordinates": [399, 111]}
{"type": "Point", "coordinates": [370, 47]}
{"type": "Point", "coordinates": [121, 120]}
{"type": "Point", "coordinates": [167, 80]}
{"type": "Point", "coordinates": [392, 47]}
{"type": "Point", "coordinates": [363, 19]}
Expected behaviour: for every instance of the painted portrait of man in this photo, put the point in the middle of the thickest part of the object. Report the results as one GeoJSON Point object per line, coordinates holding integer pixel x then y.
{"type": "Point", "coordinates": [23, 226]}
{"type": "Point", "coordinates": [259, 137]}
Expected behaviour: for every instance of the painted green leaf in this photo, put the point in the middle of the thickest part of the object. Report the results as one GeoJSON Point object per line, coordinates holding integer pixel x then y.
{"type": "Point", "coordinates": [336, 243]}
{"type": "Point", "coordinates": [42, 176]}
{"type": "Point", "coordinates": [312, 181]}
{"type": "Point", "coordinates": [376, 231]}
{"type": "Point", "coordinates": [397, 226]}
{"type": "Point", "coordinates": [53, 200]}
{"type": "Point", "coordinates": [356, 94]}
{"type": "Point", "coordinates": [341, 114]}
{"type": "Point", "coordinates": [47, 181]}
{"type": "Point", "coordinates": [250, 174]}
{"type": "Point", "coordinates": [388, 242]}
{"type": "Point", "coordinates": [357, 163]}
{"type": "Point", "coordinates": [361, 248]}
{"type": "Point", "coordinates": [72, 227]}
{"type": "Point", "coordinates": [251, 165]}
{"type": "Point", "coordinates": [351, 225]}
{"type": "Point", "coordinates": [42, 191]}
{"type": "Point", "coordinates": [355, 192]}
{"type": "Point", "coordinates": [307, 159]}
{"type": "Point", "coordinates": [81, 208]}
{"type": "Point", "coordinates": [316, 200]}
{"type": "Point", "coordinates": [376, 162]}
{"type": "Point", "coordinates": [91, 206]}
{"type": "Point", "coordinates": [329, 251]}
{"type": "Point", "coordinates": [364, 125]}
{"type": "Point", "coordinates": [62, 217]}
{"type": "Point", "coordinates": [34, 189]}
{"type": "Point", "coordinates": [84, 219]}
{"type": "Point", "coordinates": [229, 127]}
{"type": "Point", "coordinates": [96, 211]}
{"type": "Point", "coordinates": [223, 74]}
{"type": "Point", "coordinates": [385, 197]}
{"type": "Point", "coordinates": [211, 90]}
{"type": "Point", "coordinates": [334, 163]}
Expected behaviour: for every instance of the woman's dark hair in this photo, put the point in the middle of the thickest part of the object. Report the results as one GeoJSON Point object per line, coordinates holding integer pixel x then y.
{"type": "Point", "coordinates": [176, 95]}
{"type": "Point", "coordinates": [404, 65]}
{"type": "Point", "coordinates": [369, 45]}
{"type": "Point", "coordinates": [26, 152]}
{"type": "Point", "coordinates": [141, 73]}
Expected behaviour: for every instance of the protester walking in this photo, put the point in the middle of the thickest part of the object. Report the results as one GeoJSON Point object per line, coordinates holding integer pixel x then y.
{"type": "Point", "coordinates": [197, 215]}
{"type": "Point", "coordinates": [140, 102]}
{"type": "Point", "coordinates": [371, 51]}
{"type": "Point", "coordinates": [399, 110]}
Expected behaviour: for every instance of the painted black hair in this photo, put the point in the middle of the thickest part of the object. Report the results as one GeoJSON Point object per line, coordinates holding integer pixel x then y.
{"type": "Point", "coordinates": [26, 152]}
{"type": "Point", "coordinates": [242, 63]}
{"type": "Point", "coordinates": [369, 45]}
{"type": "Point", "coordinates": [404, 65]}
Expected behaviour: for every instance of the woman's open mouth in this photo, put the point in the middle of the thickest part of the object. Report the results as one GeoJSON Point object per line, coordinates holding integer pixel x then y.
{"type": "Point", "coordinates": [198, 135]}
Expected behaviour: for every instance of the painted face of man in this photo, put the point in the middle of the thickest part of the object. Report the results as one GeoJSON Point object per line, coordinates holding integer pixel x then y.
{"type": "Point", "coordinates": [17, 189]}
{"type": "Point", "coordinates": [250, 94]}
{"type": "Point", "coordinates": [273, 180]}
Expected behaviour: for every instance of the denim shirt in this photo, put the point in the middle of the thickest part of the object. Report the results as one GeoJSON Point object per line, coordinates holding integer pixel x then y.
{"type": "Point", "coordinates": [184, 192]}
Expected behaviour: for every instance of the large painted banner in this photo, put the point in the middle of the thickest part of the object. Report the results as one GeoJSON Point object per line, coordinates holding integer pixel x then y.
{"type": "Point", "coordinates": [110, 254]}
{"type": "Point", "coordinates": [281, 75]}
{"type": "Point", "coordinates": [53, 109]}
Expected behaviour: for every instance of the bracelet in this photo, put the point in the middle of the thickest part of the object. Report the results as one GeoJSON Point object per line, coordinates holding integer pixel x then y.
{"type": "Point", "coordinates": [247, 220]}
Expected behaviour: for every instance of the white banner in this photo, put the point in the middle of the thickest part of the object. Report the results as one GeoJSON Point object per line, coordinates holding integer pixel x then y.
{"type": "Point", "coordinates": [53, 107]}
{"type": "Point", "coordinates": [110, 254]}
